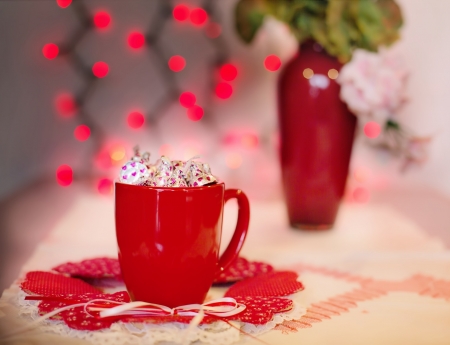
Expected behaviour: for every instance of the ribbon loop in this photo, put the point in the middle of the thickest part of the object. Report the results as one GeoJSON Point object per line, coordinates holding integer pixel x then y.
{"type": "Point", "coordinates": [222, 307]}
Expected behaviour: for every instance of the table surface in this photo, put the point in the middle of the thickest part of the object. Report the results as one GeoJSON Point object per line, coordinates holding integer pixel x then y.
{"type": "Point", "coordinates": [404, 251]}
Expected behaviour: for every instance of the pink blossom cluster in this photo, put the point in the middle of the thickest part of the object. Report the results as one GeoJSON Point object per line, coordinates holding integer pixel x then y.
{"type": "Point", "coordinates": [373, 84]}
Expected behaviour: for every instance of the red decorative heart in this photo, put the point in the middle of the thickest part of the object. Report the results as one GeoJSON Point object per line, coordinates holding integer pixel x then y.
{"type": "Point", "coordinates": [272, 284]}
{"type": "Point", "coordinates": [241, 269]}
{"type": "Point", "coordinates": [76, 317]}
{"type": "Point", "coordinates": [49, 284]}
{"type": "Point", "coordinates": [260, 294]}
{"type": "Point", "coordinates": [101, 268]}
{"type": "Point", "coordinates": [92, 269]}
{"type": "Point", "coordinates": [260, 310]}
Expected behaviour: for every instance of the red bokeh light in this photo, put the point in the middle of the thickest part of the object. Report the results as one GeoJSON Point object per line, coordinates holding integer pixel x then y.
{"type": "Point", "coordinates": [65, 105]}
{"type": "Point", "coordinates": [361, 174]}
{"type": "Point", "coordinates": [361, 195]}
{"type": "Point", "coordinates": [234, 160]}
{"type": "Point", "coordinates": [165, 150]}
{"type": "Point", "coordinates": [272, 63]}
{"type": "Point", "coordinates": [228, 72]}
{"type": "Point", "coordinates": [231, 138]}
{"type": "Point", "coordinates": [247, 140]}
{"type": "Point", "coordinates": [102, 19]}
{"type": "Point", "coordinates": [105, 186]}
{"type": "Point", "coordinates": [213, 30]}
{"type": "Point", "coordinates": [135, 120]}
{"type": "Point", "coordinates": [100, 69]}
{"type": "Point", "coordinates": [102, 160]}
{"type": "Point", "coordinates": [224, 90]}
{"type": "Point", "coordinates": [177, 63]}
{"type": "Point", "coordinates": [187, 99]}
{"type": "Point", "coordinates": [136, 40]}
{"type": "Point", "coordinates": [372, 129]}
{"type": "Point", "coordinates": [64, 175]}
{"type": "Point", "coordinates": [250, 141]}
{"type": "Point", "coordinates": [117, 154]}
{"type": "Point", "coordinates": [181, 12]}
{"type": "Point", "coordinates": [195, 113]}
{"type": "Point", "coordinates": [82, 133]}
{"type": "Point", "coordinates": [63, 3]}
{"type": "Point", "coordinates": [50, 51]}
{"type": "Point", "coordinates": [198, 16]}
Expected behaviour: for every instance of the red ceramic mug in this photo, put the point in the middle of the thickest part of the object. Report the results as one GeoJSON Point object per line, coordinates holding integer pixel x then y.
{"type": "Point", "coordinates": [169, 240]}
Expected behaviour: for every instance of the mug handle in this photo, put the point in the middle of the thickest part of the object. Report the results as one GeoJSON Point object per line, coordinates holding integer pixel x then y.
{"type": "Point", "coordinates": [237, 241]}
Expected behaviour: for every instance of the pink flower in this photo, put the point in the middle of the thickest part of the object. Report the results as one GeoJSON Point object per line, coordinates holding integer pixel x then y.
{"type": "Point", "coordinates": [373, 84]}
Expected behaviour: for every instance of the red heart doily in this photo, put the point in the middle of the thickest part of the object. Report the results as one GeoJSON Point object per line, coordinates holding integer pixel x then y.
{"type": "Point", "coordinates": [49, 284]}
{"type": "Point", "coordinates": [92, 269]}
{"type": "Point", "coordinates": [97, 271]}
{"type": "Point", "coordinates": [77, 318]}
{"type": "Point", "coordinates": [272, 284]}
{"type": "Point", "coordinates": [260, 295]}
{"type": "Point", "coordinates": [260, 310]}
{"type": "Point", "coordinates": [241, 269]}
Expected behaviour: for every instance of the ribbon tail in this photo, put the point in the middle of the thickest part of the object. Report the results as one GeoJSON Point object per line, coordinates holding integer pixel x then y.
{"type": "Point", "coordinates": [196, 320]}
{"type": "Point", "coordinates": [37, 321]}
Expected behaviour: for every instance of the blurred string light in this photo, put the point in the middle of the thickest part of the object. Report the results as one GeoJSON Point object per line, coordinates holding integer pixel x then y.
{"type": "Point", "coordinates": [105, 186]}
{"type": "Point", "coordinates": [195, 113]}
{"type": "Point", "coordinates": [187, 99]}
{"type": "Point", "coordinates": [228, 72]}
{"type": "Point", "coordinates": [136, 40]}
{"type": "Point", "coordinates": [198, 16]}
{"type": "Point", "coordinates": [135, 120]}
{"type": "Point", "coordinates": [272, 63]}
{"type": "Point", "coordinates": [247, 140]}
{"type": "Point", "coordinates": [65, 105]}
{"type": "Point", "coordinates": [165, 150]}
{"type": "Point", "coordinates": [82, 133]}
{"type": "Point", "coordinates": [72, 104]}
{"type": "Point", "coordinates": [100, 69]}
{"type": "Point", "coordinates": [361, 195]}
{"type": "Point", "coordinates": [117, 154]}
{"type": "Point", "coordinates": [333, 73]}
{"type": "Point", "coordinates": [63, 3]}
{"type": "Point", "coordinates": [50, 51]}
{"type": "Point", "coordinates": [308, 73]}
{"type": "Point", "coordinates": [64, 175]}
{"type": "Point", "coordinates": [361, 174]}
{"type": "Point", "coordinates": [177, 63]}
{"type": "Point", "coordinates": [102, 19]}
{"type": "Point", "coordinates": [224, 90]}
{"type": "Point", "coordinates": [372, 129]}
{"type": "Point", "coordinates": [206, 18]}
{"type": "Point", "coordinates": [234, 160]}
{"type": "Point", "coordinates": [181, 12]}
{"type": "Point", "coordinates": [213, 30]}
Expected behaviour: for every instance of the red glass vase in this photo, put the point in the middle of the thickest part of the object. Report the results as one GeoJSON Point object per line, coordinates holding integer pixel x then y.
{"type": "Point", "coordinates": [316, 132]}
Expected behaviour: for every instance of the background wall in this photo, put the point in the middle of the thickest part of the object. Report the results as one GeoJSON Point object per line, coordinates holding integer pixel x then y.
{"type": "Point", "coordinates": [426, 52]}
{"type": "Point", "coordinates": [34, 141]}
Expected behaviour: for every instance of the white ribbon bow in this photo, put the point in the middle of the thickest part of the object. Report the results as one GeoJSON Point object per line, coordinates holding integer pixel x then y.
{"type": "Point", "coordinates": [221, 307]}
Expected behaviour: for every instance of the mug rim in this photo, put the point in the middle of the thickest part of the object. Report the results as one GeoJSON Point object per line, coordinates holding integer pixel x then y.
{"type": "Point", "coordinates": [171, 188]}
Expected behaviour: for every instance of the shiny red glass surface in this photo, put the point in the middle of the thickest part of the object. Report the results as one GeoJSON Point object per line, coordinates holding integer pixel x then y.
{"type": "Point", "coordinates": [317, 132]}
{"type": "Point", "coordinates": [169, 239]}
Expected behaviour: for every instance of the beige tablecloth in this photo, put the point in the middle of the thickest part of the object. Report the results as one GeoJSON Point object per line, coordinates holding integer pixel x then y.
{"type": "Point", "coordinates": [377, 278]}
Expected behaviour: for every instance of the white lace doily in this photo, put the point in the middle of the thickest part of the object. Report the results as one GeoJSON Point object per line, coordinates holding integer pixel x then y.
{"type": "Point", "coordinates": [218, 333]}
